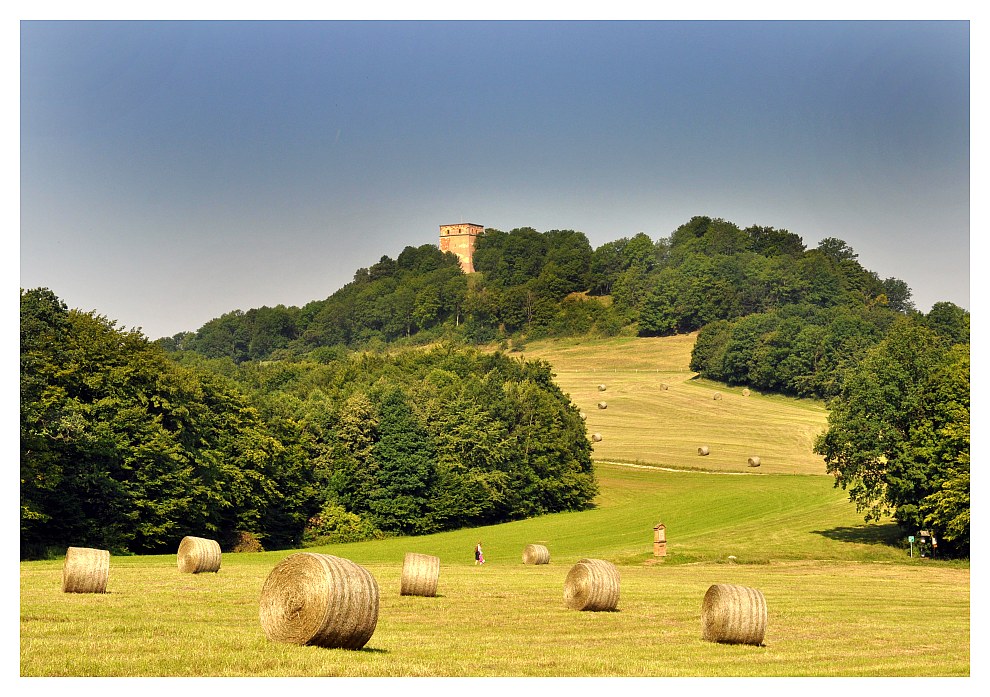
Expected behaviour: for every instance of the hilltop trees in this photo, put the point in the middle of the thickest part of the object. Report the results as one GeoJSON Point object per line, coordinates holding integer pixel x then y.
{"type": "Point", "coordinates": [553, 283]}
{"type": "Point", "coordinates": [898, 433]}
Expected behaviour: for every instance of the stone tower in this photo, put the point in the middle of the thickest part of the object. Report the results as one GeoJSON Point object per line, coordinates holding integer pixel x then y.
{"type": "Point", "coordinates": [459, 239]}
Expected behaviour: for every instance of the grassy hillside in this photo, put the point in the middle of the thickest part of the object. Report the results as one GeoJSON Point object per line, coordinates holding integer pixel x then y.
{"type": "Point", "coordinates": [645, 423]}
{"type": "Point", "coordinates": [843, 597]}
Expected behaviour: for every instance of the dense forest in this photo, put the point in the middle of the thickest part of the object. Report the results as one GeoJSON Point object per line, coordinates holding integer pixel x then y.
{"type": "Point", "coordinates": [124, 447]}
{"type": "Point", "coordinates": [294, 425]}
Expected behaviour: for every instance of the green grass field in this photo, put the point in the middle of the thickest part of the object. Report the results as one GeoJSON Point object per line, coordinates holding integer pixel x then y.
{"type": "Point", "coordinates": [843, 597]}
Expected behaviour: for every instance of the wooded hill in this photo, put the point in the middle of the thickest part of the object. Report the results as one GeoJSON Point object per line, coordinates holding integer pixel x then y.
{"type": "Point", "coordinates": [779, 316]}
{"type": "Point", "coordinates": [266, 424]}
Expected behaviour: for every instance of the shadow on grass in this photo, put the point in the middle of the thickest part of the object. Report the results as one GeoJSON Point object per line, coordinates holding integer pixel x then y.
{"type": "Point", "coordinates": [889, 534]}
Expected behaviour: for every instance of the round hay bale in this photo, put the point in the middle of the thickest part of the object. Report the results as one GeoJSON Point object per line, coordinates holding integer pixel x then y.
{"type": "Point", "coordinates": [584, 417]}
{"type": "Point", "coordinates": [198, 554]}
{"type": "Point", "coordinates": [536, 554]}
{"type": "Point", "coordinates": [717, 396]}
{"type": "Point", "coordinates": [753, 461]}
{"type": "Point", "coordinates": [603, 405]}
{"type": "Point", "coordinates": [592, 584]}
{"type": "Point", "coordinates": [745, 392]}
{"type": "Point", "coordinates": [420, 573]}
{"type": "Point", "coordinates": [732, 614]}
{"type": "Point", "coordinates": [703, 450]}
{"type": "Point", "coordinates": [663, 386]}
{"type": "Point", "coordinates": [601, 388]}
{"type": "Point", "coordinates": [319, 600]}
{"type": "Point", "coordinates": [596, 437]}
{"type": "Point", "coordinates": [85, 570]}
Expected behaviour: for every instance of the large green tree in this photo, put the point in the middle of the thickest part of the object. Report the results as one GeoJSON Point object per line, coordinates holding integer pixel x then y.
{"type": "Point", "coordinates": [898, 433]}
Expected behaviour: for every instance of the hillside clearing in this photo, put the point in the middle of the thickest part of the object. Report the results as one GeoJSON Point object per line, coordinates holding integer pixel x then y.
{"type": "Point", "coordinates": [644, 423]}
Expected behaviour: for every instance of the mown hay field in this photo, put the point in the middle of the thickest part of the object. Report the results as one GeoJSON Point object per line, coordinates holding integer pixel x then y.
{"type": "Point", "coordinates": [841, 600]}
{"type": "Point", "coordinates": [843, 597]}
{"type": "Point", "coordinates": [645, 423]}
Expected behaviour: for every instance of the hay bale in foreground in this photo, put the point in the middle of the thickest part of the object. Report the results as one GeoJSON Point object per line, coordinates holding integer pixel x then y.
{"type": "Point", "coordinates": [420, 573]}
{"type": "Point", "coordinates": [732, 614]}
{"type": "Point", "coordinates": [198, 554]}
{"type": "Point", "coordinates": [319, 600]}
{"type": "Point", "coordinates": [603, 405]}
{"type": "Point", "coordinates": [717, 396]}
{"type": "Point", "coordinates": [596, 437]}
{"type": "Point", "coordinates": [703, 450]}
{"type": "Point", "coordinates": [592, 584]}
{"type": "Point", "coordinates": [86, 570]}
{"type": "Point", "coordinates": [753, 461]}
{"type": "Point", "coordinates": [536, 554]}
{"type": "Point", "coordinates": [601, 388]}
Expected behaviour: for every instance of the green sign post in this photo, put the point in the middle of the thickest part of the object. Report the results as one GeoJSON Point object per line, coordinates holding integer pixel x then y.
{"type": "Point", "coordinates": [911, 540]}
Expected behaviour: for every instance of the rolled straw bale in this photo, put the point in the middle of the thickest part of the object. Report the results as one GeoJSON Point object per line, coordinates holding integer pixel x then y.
{"type": "Point", "coordinates": [663, 386]}
{"type": "Point", "coordinates": [703, 450]}
{"type": "Point", "coordinates": [592, 584]}
{"type": "Point", "coordinates": [753, 461]}
{"type": "Point", "coordinates": [717, 395]}
{"type": "Point", "coordinates": [420, 573]}
{"type": "Point", "coordinates": [584, 417]}
{"type": "Point", "coordinates": [733, 614]}
{"type": "Point", "coordinates": [601, 388]}
{"type": "Point", "coordinates": [597, 437]}
{"type": "Point", "coordinates": [85, 570]}
{"type": "Point", "coordinates": [536, 554]}
{"type": "Point", "coordinates": [603, 405]}
{"type": "Point", "coordinates": [198, 554]}
{"type": "Point", "coordinates": [319, 600]}
{"type": "Point", "coordinates": [745, 392]}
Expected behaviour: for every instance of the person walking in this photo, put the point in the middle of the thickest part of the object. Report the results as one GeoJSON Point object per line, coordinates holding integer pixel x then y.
{"type": "Point", "coordinates": [479, 556]}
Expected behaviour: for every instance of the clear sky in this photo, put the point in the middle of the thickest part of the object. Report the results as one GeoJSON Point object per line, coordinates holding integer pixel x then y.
{"type": "Point", "coordinates": [174, 171]}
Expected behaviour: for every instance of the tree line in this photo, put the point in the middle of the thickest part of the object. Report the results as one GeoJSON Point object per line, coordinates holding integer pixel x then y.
{"type": "Point", "coordinates": [127, 448]}
{"type": "Point", "coordinates": [530, 285]}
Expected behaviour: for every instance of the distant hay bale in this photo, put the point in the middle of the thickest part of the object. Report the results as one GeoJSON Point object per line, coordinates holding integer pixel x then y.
{"type": "Point", "coordinates": [536, 554]}
{"type": "Point", "coordinates": [717, 395]}
{"type": "Point", "coordinates": [663, 386]}
{"type": "Point", "coordinates": [703, 450]}
{"type": "Point", "coordinates": [732, 614]}
{"type": "Point", "coordinates": [198, 554]}
{"type": "Point", "coordinates": [592, 584]}
{"type": "Point", "coordinates": [596, 437]}
{"type": "Point", "coordinates": [420, 573]}
{"type": "Point", "coordinates": [754, 461]}
{"type": "Point", "coordinates": [601, 388]}
{"type": "Point", "coordinates": [584, 417]}
{"type": "Point", "coordinates": [745, 392]}
{"type": "Point", "coordinates": [319, 600]}
{"type": "Point", "coordinates": [85, 570]}
{"type": "Point", "coordinates": [603, 405]}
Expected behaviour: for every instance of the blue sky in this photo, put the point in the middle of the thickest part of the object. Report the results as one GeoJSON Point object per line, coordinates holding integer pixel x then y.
{"type": "Point", "coordinates": [173, 171]}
